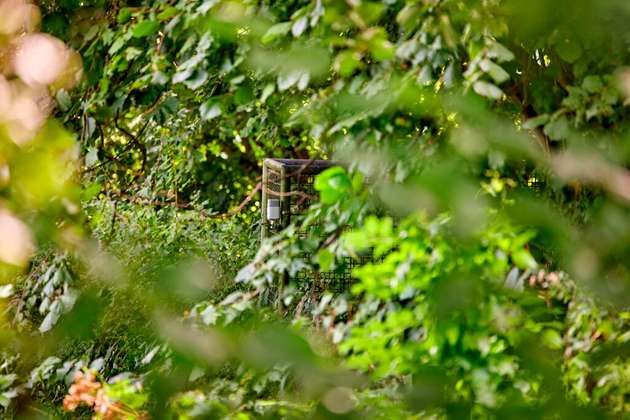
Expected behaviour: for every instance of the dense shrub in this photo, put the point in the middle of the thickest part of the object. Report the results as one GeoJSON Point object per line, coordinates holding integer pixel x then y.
{"type": "Point", "coordinates": [483, 165]}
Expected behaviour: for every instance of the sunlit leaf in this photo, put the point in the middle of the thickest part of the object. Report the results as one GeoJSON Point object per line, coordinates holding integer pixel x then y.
{"type": "Point", "coordinates": [145, 28]}
{"type": "Point", "coordinates": [487, 89]}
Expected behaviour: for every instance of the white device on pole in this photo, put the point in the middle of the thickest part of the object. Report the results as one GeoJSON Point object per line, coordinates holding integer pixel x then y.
{"type": "Point", "coordinates": [273, 209]}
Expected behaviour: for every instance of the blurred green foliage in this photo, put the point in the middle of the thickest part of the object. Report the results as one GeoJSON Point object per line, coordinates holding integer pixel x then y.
{"type": "Point", "coordinates": [485, 155]}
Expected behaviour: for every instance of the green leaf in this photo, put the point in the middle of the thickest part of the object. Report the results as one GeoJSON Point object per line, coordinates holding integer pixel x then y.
{"type": "Point", "coordinates": [382, 49]}
{"type": "Point", "coordinates": [198, 78]}
{"type": "Point", "coordinates": [494, 70]}
{"type": "Point", "coordinates": [568, 49]}
{"type": "Point", "coordinates": [207, 5]}
{"type": "Point", "coordinates": [370, 12]}
{"type": "Point", "coordinates": [277, 31]}
{"type": "Point", "coordinates": [498, 51]}
{"type": "Point", "coordinates": [452, 334]}
{"type": "Point", "coordinates": [523, 259]}
{"type": "Point", "coordinates": [159, 78]}
{"type": "Point", "coordinates": [535, 122]}
{"type": "Point", "coordinates": [209, 315]}
{"type": "Point", "coordinates": [91, 33]}
{"type": "Point", "coordinates": [576, 99]}
{"type": "Point", "coordinates": [558, 129]}
{"type": "Point", "coordinates": [552, 339]}
{"type": "Point", "coordinates": [90, 191]}
{"type": "Point", "coordinates": [91, 157]}
{"type": "Point", "coordinates": [267, 91]}
{"type": "Point", "coordinates": [592, 84]}
{"type": "Point", "coordinates": [4, 401]}
{"type": "Point", "coordinates": [409, 16]}
{"type": "Point", "coordinates": [299, 26]}
{"type": "Point", "coordinates": [347, 62]}
{"type": "Point", "coordinates": [167, 13]}
{"type": "Point", "coordinates": [325, 259]}
{"type": "Point", "coordinates": [243, 95]}
{"type": "Point", "coordinates": [117, 45]}
{"type": "Point", "coordinates": [63, 99]}
{"type": "Point", "coordinates": [487, 89]}
{"type": "Point", "coordinates": [357, 181]}
{"type": "Point", "coordinates": [210, 109]}
{"type": "Point", "coordinates": [123, 15]}
{"type": "Point", "coordinates": [145, 28]}
{"type": "Point", "coordinates": [333, 184]}
{"type": "Point", "coordinates": [49, 321]}
{"type": "Point", "coordinates": [7, 380]}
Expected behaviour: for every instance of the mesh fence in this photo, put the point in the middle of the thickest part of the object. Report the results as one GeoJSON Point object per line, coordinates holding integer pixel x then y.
{"type": "Point", "coordinates": [290, 183]}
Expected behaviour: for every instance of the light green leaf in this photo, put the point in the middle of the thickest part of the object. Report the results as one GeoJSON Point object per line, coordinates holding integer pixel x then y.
{"type": "Point", "coordinates": [167, 13]}
{"type": "Point", "coordinates": [159, 78]}
{"type": "Point", "coordinates": [49, 321]}
{"type": "Point", "coordinates": [198, 79]}
{"type": "Point", "coordinates": [117, 45]}
{"type": "Point", "coordinates": [91, 33]}
{"type": "Point", "coordinates": [347, 62]}
{"type": "Point", "coordinates": [325, 259]}
{"type": "Point", "coordinates": [552, 339]}
{"type": "Point", "coordinates": [333, 184]}
{"type": "Point", "coordinates": [63, 99]}
{"type": "Point", "coordinates": [209, 315]}
{"type": "Point", "coordinates": [498, 51]}
{"type": "Point", "coordinates": [494, 70]}
{"type": "Point", "coordinates": [487, 89]}
{"type": "Point", "coordinates": [287, 80]}
{"type": "Point", "coordinates": [299, 26]}
{"type": "Point", "coordinates": [592, 84]}
{"type": "Point", "coordinates": [382, 49]}
{"type": "Point", "coordinates": [5, 400]}
{"type": "Point", "coordinates": [558, 129]}
{"type": "Point", "coordinates": [536, 121]}
{"type": "Point", "coordinates": [523, 259]}
{"type": "Point", "coordinates": [91, 157]}
{"type": "Point", "coordinates": [267, 91]}
{"type": "Point", "coordinates": [277, 31]}
{"type": "Point", "coordinates": [207, 5]}
{"type": "Point", "coordinates": [210, 109]}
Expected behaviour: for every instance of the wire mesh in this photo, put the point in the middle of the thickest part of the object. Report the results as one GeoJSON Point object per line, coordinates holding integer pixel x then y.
{"type": "Point", "coordinates": [292, 182]}
{"type": "Point", "coordinates": [338, 280]}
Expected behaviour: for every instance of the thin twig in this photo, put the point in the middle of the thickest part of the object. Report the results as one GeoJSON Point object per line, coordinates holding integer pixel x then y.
{"type": "Point", "coordinates": [189, 206]}
{"type": "Point", "coordinates": [134, 139]}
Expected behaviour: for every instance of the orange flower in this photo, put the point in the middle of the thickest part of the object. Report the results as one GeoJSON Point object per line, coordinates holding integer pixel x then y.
{"type": "Point", "coordinates": [84, 390]}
